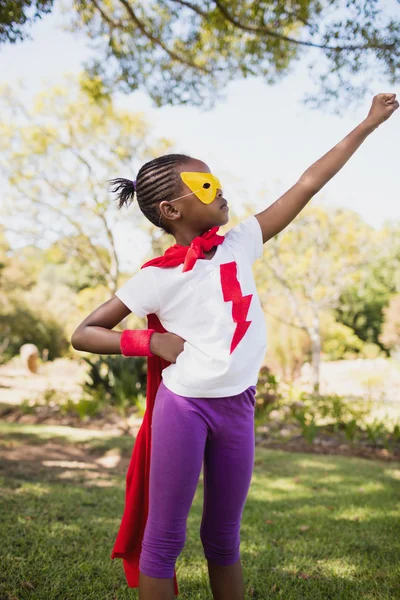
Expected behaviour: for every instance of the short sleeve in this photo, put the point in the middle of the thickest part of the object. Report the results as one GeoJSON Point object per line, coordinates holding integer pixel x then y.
{"type": "Point", "coordinates": [248, 236]}
{"type": "Point", "coordinates": [140, 293]}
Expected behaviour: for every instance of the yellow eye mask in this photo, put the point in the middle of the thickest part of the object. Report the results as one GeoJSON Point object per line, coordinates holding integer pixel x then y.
{"type": "Point", "coordinates": [203, 185]}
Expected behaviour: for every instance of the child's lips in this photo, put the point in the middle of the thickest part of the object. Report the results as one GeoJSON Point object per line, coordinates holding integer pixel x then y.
{"type": "Point", "coordinates": [225, 207]}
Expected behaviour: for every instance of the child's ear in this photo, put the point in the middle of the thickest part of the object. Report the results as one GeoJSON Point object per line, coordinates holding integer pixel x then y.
{"type": "Point", "coordinates": [169, 211]}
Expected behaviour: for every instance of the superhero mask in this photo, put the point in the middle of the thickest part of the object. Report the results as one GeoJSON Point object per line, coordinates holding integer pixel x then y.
{"type": "Point", "coordinates": [202, 185]}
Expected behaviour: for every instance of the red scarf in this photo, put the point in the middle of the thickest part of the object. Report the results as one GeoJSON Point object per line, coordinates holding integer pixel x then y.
{"type": "Point", "coordinates": [128, 544]}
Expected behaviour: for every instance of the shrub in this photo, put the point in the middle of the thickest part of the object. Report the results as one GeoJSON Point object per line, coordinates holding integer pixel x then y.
{"type": "Point", "coordinates": [267, 391]}
{"type": "Point", "coordinates": [115, 380]}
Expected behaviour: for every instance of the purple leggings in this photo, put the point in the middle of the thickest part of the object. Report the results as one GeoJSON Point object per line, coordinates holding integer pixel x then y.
{"type": "Point", "coordinates": [184, 432]}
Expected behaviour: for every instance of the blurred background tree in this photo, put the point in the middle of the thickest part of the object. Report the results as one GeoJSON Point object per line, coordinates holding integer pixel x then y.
{"type": "Point", "coordinates": [391, 326]}
{"type": "Point", "coordinates": [361, 305]}
{"type": "Point", "coordinates": [57, 174]}
{"type": "Point", "coordinates": [310, 264]}
{"type": "Point", "coordinates": [186, 51]}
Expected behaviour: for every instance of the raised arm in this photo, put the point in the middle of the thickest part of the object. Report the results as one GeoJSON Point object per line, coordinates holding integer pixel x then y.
{"type": "Point", "coordinates": [282, 212]}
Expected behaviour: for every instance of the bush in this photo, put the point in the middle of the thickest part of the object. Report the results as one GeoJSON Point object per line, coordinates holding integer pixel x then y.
{"type": "Point", "coordinates": [267, 391]}
{"type": "Point", "coordinates": [20, 326]}
{"type": "Point", "coordinates": [339, 341]}
{"type": "Point", "coordinates": [116, 381]}
{"type": "Point", "coordinates": [84, 408]}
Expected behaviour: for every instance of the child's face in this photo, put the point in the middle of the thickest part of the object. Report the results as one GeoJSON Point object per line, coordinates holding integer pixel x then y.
{"type": "Point", "coordinates": [193, 212]}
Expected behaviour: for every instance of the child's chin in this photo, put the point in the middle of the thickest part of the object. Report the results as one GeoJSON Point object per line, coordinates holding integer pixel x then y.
{"type": "Point", "coordinates": [224, 218]}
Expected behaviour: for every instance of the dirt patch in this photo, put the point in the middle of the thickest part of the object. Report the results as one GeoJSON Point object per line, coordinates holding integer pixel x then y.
{"type": "Point", "coordinates": [18, 384]}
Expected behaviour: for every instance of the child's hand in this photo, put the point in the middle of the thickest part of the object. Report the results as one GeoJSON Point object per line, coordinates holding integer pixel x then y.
{"type": "Point", "coordinates": [166, 345]}
{"type": "Point", "coordinates": [383, 106]}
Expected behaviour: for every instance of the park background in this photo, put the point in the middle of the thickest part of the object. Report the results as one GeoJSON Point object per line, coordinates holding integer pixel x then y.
{"type": "Point", "coordinates": [322, 516]}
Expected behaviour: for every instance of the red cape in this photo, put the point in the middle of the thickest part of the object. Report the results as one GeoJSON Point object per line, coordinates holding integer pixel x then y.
{"type": "Point", "coordinates": [128, 544]}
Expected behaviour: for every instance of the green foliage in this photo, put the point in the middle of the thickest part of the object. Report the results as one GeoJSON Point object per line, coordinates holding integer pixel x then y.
{"type": "Point", "coordinates": [204, 45]}
{"type": "Point", "coordinates": [339, 341]}
{"type": "Point", "coordinates": [337, 407]}
{"type": "Point", "coordinates": [19, 325]}
{"type": "Point", "coordinates": [330, 249]}
{"type": "Point", "coordinates": [267, 391]}
{"type": "Point", "coordinates": [60, 402]}
{"type": "Point", "coordinates": [377, 432]}
{"type": "Point", "coordinates": [351, 430]}
{"type": "Point", "coordinates": [115, 381]}
{"type": "Point", "coordinates": [362, 304]}
{"type": "Point", "coordinates": [361, 307]}
{"type": "Point", "coordinates": [339, 415]}
{"type": "Point", "coordinates": [58, 134]}
{"type": "Point", "coordinates": [308, 425]}
{"type": "Point", "coordinates": [391, 327]}
{"type": "Point", "coordinates": [315, 414]}
{"type": "Point", "coordinates": [85, 408]}
{"type": "Point", "coordinates": [16, 15]}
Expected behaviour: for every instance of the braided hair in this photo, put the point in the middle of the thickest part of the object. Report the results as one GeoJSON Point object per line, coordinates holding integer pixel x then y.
{"type": "Point", "coordinates": [157, 180]}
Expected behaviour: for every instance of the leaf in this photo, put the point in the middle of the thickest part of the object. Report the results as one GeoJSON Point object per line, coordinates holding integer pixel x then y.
{"type": "Point", "coordinates": [269, 522]}
{"type": "Point", "coordinates": [304, 576]}
{"type": "Point", "coordinates": [27, 585]}
{"type": "Point", "coordinates": [304, 527]}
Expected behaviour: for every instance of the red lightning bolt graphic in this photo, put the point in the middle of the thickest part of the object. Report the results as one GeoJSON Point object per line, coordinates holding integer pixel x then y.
{"type": "Point", "coordinates": [240, 304]}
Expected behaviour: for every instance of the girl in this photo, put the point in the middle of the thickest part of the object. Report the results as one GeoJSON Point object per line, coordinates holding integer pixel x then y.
{"type": "Point", "coordinates": [207, 332]}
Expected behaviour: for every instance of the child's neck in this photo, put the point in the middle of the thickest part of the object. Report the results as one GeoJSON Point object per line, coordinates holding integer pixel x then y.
{"type": "Point", "coordinates": [185, 238]}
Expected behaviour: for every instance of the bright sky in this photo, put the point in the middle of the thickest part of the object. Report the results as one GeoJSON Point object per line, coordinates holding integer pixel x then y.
{"type": "Point", "coordinates": [259, 140]}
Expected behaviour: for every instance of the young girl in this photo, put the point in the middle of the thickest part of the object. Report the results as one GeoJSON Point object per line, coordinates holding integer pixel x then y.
{"type": "Point", "coordinates": [207, 332]}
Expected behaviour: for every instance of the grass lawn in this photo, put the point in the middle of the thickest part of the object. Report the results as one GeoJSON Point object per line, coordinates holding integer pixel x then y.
{"type": "Point", "coordinates": [314, 527]}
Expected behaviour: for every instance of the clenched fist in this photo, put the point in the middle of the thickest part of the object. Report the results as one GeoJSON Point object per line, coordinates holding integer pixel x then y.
{"type": "Point", "coordinates": [383, 106]}
{"type": "Point", "coordinates": [166, 345]}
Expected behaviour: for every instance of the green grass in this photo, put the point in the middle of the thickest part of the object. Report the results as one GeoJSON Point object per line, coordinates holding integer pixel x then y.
{"type": "Point", "coordinates": [334, 530]}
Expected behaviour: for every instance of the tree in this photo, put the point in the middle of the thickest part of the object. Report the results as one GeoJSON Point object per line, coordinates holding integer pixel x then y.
{"type": "Point", "coordinates": [310, 263]}
{"type": "Point", "coordinates": [362, 305]}
{"type": "Point", "coordinates": [16, 15]}
{"type": "Point", "coordinates": [391, 327]}
{"type": "Point", "coordinates": [57, 158]}
{"type": "Point", "coordinates": [22, 319]}
{"type": "Point", "coordinates": [186, 51]}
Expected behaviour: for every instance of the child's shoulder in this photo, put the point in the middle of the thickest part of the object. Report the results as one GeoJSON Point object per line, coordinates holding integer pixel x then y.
{"type": "Point", "coordinates": [248, 236]}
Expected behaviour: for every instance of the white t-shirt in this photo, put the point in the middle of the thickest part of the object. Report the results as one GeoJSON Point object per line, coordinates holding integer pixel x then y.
{"type": "Point", "coordinates": [221, 357]}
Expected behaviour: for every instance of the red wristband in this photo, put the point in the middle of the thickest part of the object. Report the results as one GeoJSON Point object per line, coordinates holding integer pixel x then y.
{"type": "Point", "coordinates": [136, 342]}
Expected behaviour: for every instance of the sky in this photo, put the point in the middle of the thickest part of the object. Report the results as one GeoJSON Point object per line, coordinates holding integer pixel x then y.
{"type": "Point", "coordinates": [259, 140]}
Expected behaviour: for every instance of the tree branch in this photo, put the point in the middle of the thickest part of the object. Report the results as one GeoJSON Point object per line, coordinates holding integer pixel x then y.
{"type": "Point", "coordinates": [269, 32]}
{"type": "Point", "coordinates": [71, 221]}
{"type": "Point", "coordinates": [113, 24]}
{"type": "Point", "coordinates": [278, 318]}
{"type": "Point", "coordinates": [286, 287]}
{"type": "Point", "coordinates": [192, 7]}
{"type": "Point", "coordinates": [158, 42]}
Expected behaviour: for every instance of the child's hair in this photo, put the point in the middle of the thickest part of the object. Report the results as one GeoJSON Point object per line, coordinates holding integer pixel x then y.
{"type": "Point", "coordinates": [156, 181]}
